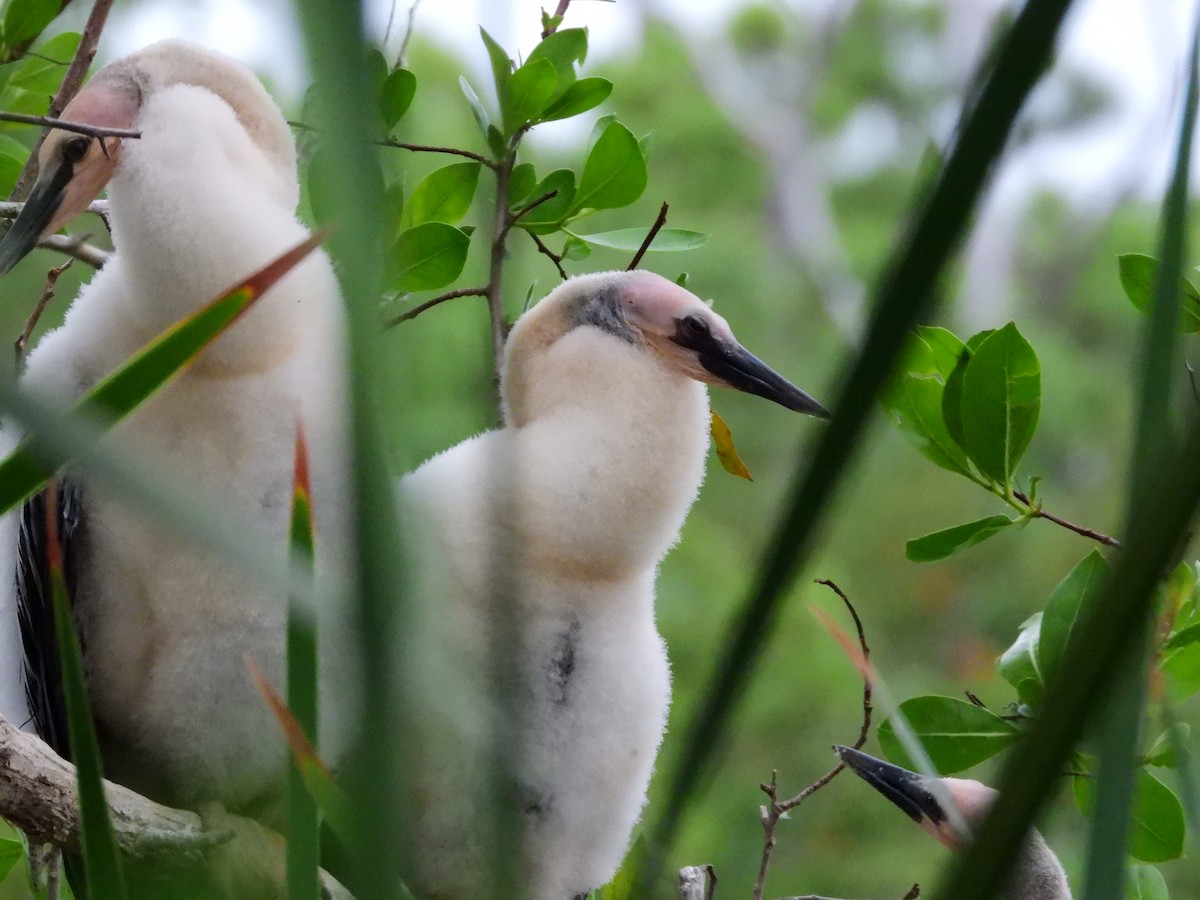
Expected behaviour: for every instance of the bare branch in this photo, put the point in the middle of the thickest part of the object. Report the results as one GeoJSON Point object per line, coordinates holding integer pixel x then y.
{"type": "Point", "coordinates": [415, 148]}
{"type": "Point", "coordinates": [408, 31]}
{"type": "Point", "coordinates": [546, 251]}
{"type": "Point", "coordinates": [95, 131]}
{"type": "Point", "coordinates": [650, 236]}
{"type": "Point", "coordinates": [77, 247]}
{"type": "Point", "coordinates": [1091, 533]}
{"type": "Point", "coordinates": [441, 298]}
{"type": "Point", "coordinates": [40, 307]}
{"type": "Point", "coordinates": [10, 209]}
{"type": "Point", "coordinates": [776, 808]}
{"type": "Point", "coordinates": [530, 207]}
{"type": "Point", "coordinates": [71, 83]}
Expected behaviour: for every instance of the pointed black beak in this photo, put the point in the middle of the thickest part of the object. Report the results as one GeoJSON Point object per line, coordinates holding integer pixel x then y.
{"type": "Point", "coordinates": [904, 788]}
{"type": "Point", "coordinates": [737, 367]}
{"type": "Point", "coordinates": [35, 217]}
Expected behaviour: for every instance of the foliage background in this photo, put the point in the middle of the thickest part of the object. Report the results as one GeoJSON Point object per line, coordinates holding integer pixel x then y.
{"type": "Point", "coordinates": [933, 628]}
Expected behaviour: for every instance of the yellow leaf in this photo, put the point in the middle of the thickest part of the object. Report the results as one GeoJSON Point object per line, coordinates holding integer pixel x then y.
{"type": "Point", "coordinates": [726, 452]}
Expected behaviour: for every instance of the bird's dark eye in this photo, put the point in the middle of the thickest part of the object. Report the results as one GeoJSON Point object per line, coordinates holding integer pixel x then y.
{"type": "Point", "coordinates": [75, 149]}
{"type": "Point", "coordinates": [695, 327]}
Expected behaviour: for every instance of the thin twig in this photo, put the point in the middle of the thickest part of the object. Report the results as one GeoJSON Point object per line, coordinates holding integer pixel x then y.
{"type": "Point", "coordinates": [546, 251]}
{"type": "Point", "coordinates": [95, 131]}
{"type": "Point", "coordinates": [415, 148]}
{"type": "Point", "coordinates": [528, 208]}
{"type": "Point", "coordinates": [408, 31]}
{"type": "Point", "coordinates": [777, 808]}
{"type": "Point", "coordinates": [650, 236]}
{"type": "Point", "coordinates": [558, 14]}
{"type": "Point", "coordinates": [1039, 513]}
{"type": "Point", "coordinates": [441, 298]}
{"type": "Point", "coordinates": [71, 83]}
{"type": "Point", "coordinates": [76, 247]}
{"type": "Point", "coordinates": [47, 295]}
{"type": "Point", "coordinates": [10, 209]}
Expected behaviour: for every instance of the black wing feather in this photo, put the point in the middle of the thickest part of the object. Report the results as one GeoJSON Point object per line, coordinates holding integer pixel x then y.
{"type": "Point", "coordinates": [35, 607]}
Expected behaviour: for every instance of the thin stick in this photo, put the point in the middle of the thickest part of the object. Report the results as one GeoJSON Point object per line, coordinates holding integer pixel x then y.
{"type": "Point", "coordinates": [1039, 513]}
{"type": "Point", "coordinates": [777, 809]}
{"type": "Point", "coordinates": [650, 236]}
{"type": "Point", "coordinates": [408, 31]}
{"type": "Point", "coordinates": [76, 247]}
{"type": "Point", "coordinates": [95, 131]}
{"type": "Point", "coordinates": [441, 298]}
{"type": "Point", "coordinates": [71, 83]}
{"type": "Point", "coordinates": [415, 148]}
{"type": "Point", "coordinates": [528, 208]}
{"type": "Point", "coordinates": [10, 209]}
{"type": "Point", "coordinates": [546, 251]}
{"type": "Point", "coordinates": [47, 295]}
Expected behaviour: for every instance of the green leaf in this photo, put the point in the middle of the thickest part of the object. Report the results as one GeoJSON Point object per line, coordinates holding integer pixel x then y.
{"type": "Point", "coordinates": [956, 734]}
{"type": "Point", "coordinates": [1180, 590]}
{"type": "Point", "coordinates": [529, 92]}
{"type": "Point", "coordinates": [1071, 598]}
{"type": "Point", "coordinates": [1158, 826]}
{"type": "Point", "coordinates": [1164, 751]}
{"type": "Point", "coordinates": [428, 256]}
{"type": "Point", "coordinates": [667, 240]}
{"type": "Point", "coordinates": [1019, 662]}
{"type": "Point", "coordinates": [1182, 668]}
{"type": "Point", "coordinates": [574, 248]}
{"type": "Point", "coordinates": [25, 19]}
{"type": "Point", "coordinates": [1138, 274]}
{"type": "Point", "coordinates": [598, 128]}
{"type": "Point", "coordinates": [396, 96]}
{"type": "Point", "coordinates": [940, 544]}
{"type": "Point", "coordinates": [614, 174]}
{"type": "Point", "coordinates": [545, 217]}
{"type": "Point", "coordinates": [12, 160]}
{"type": "Point", "coordinates": [43, 73]}
{"type": "Point", "coordinates": [944, 346]}
{"type": "Point", "coordinates": [1183, 637]}
{"type": "Point", "coordinates": [393, 207]}
{"type": "Point", "coordinates": [501, 70]}
{"type": "Point", "coordinates": [102, 864]}
{"type": "Point", "coordinates": [1144, 882]}
{"type": "Point", "coordinates": [562, 49]}
{"type": "Point", "coordinates": [123, 390]}
{"type": "Point", "coordinates": [584, 94]}
{"type": "Point", "coordinates": [913, 400]}
{"type": "Point", "coordinates": [1000, 402]}
{"type": "Point", "coordinates": [444, 195]}
{"type": "Point", "coordinates": [521, 183]}
{"type": "Point", "coordinates": [477, 108]}
{"type": "Point", "coordinates": [11, 853]}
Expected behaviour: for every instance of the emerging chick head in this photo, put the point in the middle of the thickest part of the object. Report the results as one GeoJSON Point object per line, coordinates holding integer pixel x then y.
{"type": "Point", "coordinates": [655, 315]}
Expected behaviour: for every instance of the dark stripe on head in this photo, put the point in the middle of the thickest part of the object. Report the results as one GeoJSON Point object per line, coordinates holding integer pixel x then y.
{"type": "Point", "coordinates": [602, 309]}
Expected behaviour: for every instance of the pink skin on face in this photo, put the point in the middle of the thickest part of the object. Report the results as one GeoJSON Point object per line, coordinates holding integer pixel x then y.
{"type": "Point", "coordinates": [971, 799]}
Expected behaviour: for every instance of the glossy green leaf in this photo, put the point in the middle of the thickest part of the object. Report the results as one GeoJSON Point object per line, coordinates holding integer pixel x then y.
{"type": "Point", "coordinates": [579, 97]}
{"type": "Point", "coordinates": [1020, 661]}
{"type": "Point", "coordinates": [1144, 882]}
{"type": "Point", "coordinates": [913, 400]}
{"type": "Point", "coordinates": [521, 182]}
{"type": "Point", "coordinates": [944, 347]}
{"type": "Point", "coordinates": [562, 49]}
{"type": "Point", "coordinates": [1158, 826]}
{"type": "Point", "coordinates": [1164, 752]}
{"type": "Point", "coordinates": [25, 19]}
{"type": "Point", "coordinates": [396, 96]}
{"type": "Point", "coordinates": [574, 248]}
{"type": "Point", "coordinates": [11, 853]}
{"type": "Point", "coordinates": [1069, 601]}
{"type": "Point", "coordinates": [12, 160]}
{"type": "Point", "coordinates": [1183, 637]}
{"type": "Point", "coordinates": [501, 70]}
{"type": "Point", "coordinates": [102, 864]}
{"type": "Point", "coordinates": [44, 72]}
{"type": "Point", "coordinates": [667, 239]}
{"type": "Point", "coordinates": [123, 390]}
{"type": "Point", "coordinates": [478, 110]}
{"type": "Point", "coordinates": [940, 544]}
{"type": "Point", "coordinates": [1138, 273]}
{"type": "Point", "coordinates": [1182, 668]}
{"type": "Point", "coordinates": [614, 173]}
{"type": "Point", "coordinates": [546, 217]}
{"type": "Point", "coordinates": [957, 735]}
{"type": "Point", "coordinates": [444, 195]}
{"type": "Point", "coordinates": [1179, 591]}
{"type": "Point", "coordinates": [529, 93]}
{"type": "Point", "coordinates": [1000, 402]}
{"type": "Point", "coordinates": [428, 256]}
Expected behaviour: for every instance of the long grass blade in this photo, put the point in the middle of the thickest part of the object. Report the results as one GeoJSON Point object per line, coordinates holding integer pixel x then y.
{"type": "Point", "coordinates": [304, 823]}
{"type": "Point", "coordinates": [123, 390]}
{"type": "Point", "coordinates": [102, 864]}
{"type": "Point", "coordinates": [906, 294]}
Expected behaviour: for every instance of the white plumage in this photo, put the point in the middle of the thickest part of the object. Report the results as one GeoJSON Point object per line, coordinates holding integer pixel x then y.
{"type": "Point", "coordinates": [549, 532]}
{"type": "Point", "coordinates": [204, 198]}
{"type": "Point", "coordinates": [1037, 873]}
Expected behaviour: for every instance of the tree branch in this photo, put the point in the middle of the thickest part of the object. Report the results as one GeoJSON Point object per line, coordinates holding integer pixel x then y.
{"type": "Point", "coordinates": [38, 794]}
{"type": "Point", "coordinates": [10, 209]}
{"type": "Point", "coordinates": [441, 298]}
{"type": "Point", "coordinates": [71, 83]}
{"type": "Point", "coordinates": [1038, 513]}
{"type": "Point", "coordinates": [77, 247]}
{"type": "Point", "coordinates": [777, 809]}
{"type": "Point", "coordinates": [650, 236]}
{"type": "Point", "coordinates": [546, 251]}
{"type": "Point", "coordinates": [528, 208]}
{"type": "Point", "coordinates": [95, 131]}
{"type": "Point", "coordinates": [47, 295]}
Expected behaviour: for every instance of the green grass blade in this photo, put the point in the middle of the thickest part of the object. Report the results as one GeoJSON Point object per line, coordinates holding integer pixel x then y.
{"type": "Point", "coordinates": [906, 295]}
{"type": "Point", "coordinates": [304, 823]}
{"type": "Point", "coordinates": [123, 390]}
{"type": "Point", "coordinates": [102, 864]}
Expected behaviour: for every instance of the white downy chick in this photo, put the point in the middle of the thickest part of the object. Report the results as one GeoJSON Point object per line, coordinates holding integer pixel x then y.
{"type": "Point", "coordinates": [204, 198]}
{"type": "Point", "coordinates": [1037, 874]}
{"type": "Point", "coordinates": [549, 532]}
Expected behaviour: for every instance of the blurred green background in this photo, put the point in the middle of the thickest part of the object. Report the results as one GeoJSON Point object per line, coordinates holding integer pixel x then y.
{"type": "Point", "coordinates": [747, 132]}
